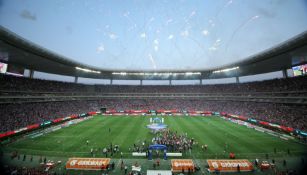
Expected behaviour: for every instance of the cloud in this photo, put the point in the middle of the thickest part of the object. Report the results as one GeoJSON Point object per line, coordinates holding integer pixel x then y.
{"type": "Point", "coordinates": [205, 32]}
{"type": "Point", "coordinates": [113, 36]}
{"type": "Point", "coordinates": [143, 35]}
{"type": "Point", "coordinates": [170, 37]}
{"type": "Point", "coordinates": [185, 33]}
{"type": "Point", "coordinates": [26, 14]}
{"type": "Point", "coordinates": [100, 48]}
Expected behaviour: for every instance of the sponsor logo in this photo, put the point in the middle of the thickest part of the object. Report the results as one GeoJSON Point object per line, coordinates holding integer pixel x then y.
{"type": "Point", "coordinates": [182, 164]}
{"type": "Point", "coordinates": [177, 164]}
{"type": "Point", "coordinates": [73, 162]}
{"type": "Point", "coordinates": [215, 164]}
{"type": "Point", "coordinates": [87, 163]}
{"type": "Point", "coordinates": [230, 165]}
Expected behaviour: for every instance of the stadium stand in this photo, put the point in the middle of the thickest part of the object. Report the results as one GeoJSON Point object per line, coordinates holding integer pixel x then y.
{"type": "Point", "coordinates": [27, 101]}
{"type": "Point", "coordinates": [27, 84]}
{"type": "Point", "coordinates": [23, 170]}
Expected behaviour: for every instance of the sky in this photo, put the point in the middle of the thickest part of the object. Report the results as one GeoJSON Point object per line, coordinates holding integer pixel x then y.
{"type": "Point", "coordinates": [155, 34]}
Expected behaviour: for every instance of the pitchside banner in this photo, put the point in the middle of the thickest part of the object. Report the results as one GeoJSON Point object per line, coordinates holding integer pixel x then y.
{"type": "Point", "coordinates": [87, 163]}
{"type": "Point", "coordinates": [229, 165]}
{"type": "Point", "coordinates": [182, 164]}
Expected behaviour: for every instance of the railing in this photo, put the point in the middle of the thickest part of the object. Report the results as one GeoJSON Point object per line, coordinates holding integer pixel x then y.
{"type": "Point", "coordinates": [288, 97]}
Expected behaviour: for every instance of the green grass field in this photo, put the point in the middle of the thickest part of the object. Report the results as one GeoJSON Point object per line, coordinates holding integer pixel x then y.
{"type": "Point", "coordinates": [127, 130]}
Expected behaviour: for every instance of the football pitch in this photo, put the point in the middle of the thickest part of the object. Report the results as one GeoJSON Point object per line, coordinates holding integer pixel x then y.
{"type": "Point", "coordinates": [221, 136]}
{"type": "Point", "coordinates": [125, 131]}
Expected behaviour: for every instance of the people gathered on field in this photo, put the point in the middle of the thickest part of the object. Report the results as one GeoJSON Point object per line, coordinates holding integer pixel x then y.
{"type": "Point", "coordinates": [175, 142]}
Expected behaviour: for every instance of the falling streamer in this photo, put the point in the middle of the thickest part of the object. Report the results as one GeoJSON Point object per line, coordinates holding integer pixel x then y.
{"type": "Point", "coordinates": [243, 24]}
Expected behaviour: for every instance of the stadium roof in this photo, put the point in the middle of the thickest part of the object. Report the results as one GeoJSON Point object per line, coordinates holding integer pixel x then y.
{"type": "Point", "coordinates": [148, 35]}
{"type": "Point", "coordinates": [19, 51]}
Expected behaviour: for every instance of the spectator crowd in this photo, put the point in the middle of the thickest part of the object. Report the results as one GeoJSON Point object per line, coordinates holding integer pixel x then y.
{"type": "Point", "coordinates": [17, 115]}
{"type": "Point", "coordinates": [275, 85]}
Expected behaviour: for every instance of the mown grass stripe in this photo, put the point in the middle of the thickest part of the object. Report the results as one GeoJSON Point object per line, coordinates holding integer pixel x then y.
{"type": "Point", "coordinates": [126, 130]}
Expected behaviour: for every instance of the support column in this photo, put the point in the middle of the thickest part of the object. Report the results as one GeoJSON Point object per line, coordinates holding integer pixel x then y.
{"type": "Point", "coordinates": [76, 79]}
{"type": "Point", "coordinates": [201, 81]}
{"type": "Point", "coordinates": [170, 82]}
{"type": "Point", "coordinates": [31, 73]}
{"type": "Point", "coordinates": [284, 73]}
{"type": "Point", "coordinates": [141, 82]}
{"type": "Point", "coordinates": [111, 81]}
{"type": "Point", "coordinates": [237, 80]}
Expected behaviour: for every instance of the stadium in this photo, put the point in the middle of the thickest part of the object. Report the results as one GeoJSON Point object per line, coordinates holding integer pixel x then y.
{"type": "Point", "coordinates": [153, 87]}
